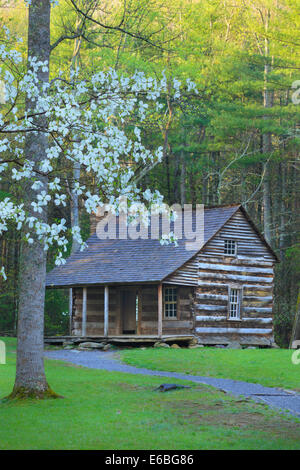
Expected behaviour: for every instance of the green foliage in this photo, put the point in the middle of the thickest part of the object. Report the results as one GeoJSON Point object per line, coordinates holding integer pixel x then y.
{"type": "Point", "coordinates": [56, 312]}
{"type": "Point", "coordinates": [4, 194]}
{"type": "Point", "coordinates": [293, 256]}
{"type": "Point", "coordinates": [283, 323]}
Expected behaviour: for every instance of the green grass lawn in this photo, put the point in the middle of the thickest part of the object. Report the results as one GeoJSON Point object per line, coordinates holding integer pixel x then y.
{"type": "Point", "coordinates": [270, 367]}
{"type": "Point", "coordinates": [109, 410]}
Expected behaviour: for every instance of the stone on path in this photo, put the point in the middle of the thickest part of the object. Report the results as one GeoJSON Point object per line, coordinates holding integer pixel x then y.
{"type": "Point", "coordinates": [234, 345]}
{"type": "Point", "coordinates": [91, 345]}
{"type": "Point", "coordinates": [158, 344]}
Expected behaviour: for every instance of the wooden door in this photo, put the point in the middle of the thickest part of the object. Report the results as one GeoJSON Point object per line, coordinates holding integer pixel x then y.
{"type": "Point", "coordinates": [129, 311]}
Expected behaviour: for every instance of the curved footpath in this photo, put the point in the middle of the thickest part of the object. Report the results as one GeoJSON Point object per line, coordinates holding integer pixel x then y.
{"type": "Point", "coordinates": [274, 397]}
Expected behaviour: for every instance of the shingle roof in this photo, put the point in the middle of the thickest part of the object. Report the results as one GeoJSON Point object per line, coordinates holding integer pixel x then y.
{"type": "Point", "coordinates": [131, 261]}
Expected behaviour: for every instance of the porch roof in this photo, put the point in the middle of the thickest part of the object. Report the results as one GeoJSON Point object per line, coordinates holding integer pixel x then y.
{"type": "Point", "coordinates": [131, 261]}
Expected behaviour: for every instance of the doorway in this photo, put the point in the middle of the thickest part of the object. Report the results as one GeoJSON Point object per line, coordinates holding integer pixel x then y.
{"type": "Point", "coordinates": [129, 303]}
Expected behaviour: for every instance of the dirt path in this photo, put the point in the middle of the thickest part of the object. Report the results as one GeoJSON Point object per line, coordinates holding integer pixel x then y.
{"type": "Point", "coordinates": [274, 397]}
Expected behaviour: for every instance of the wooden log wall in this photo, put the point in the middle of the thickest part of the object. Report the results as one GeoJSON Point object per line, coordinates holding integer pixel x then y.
{"type": "Point", "coordinates": [211, 302]}
{"type": "Point", "coordinates": [95, 311]}
{"type": "Point", "coordinates": [148, 303]}
{"type": "Point", "coordinates": [184, 323]}
{"type": "Point", "coordinates": [249, 243]}
{"type": "Point", "coordinates": [250, 270]}
{"type": "Point", "coordinates": [187, 275]}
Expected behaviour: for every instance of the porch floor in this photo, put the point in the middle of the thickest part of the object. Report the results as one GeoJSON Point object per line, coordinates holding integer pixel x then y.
{"type": "Point", "coordinates": [119, 339]}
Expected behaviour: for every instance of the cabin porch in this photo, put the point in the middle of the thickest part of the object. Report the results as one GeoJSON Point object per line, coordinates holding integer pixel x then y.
{"type": "Point", "coordinates": [145, 312]}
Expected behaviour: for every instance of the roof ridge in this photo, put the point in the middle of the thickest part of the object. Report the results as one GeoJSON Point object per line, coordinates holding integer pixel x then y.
{"type": "Point", "coordinates": [223, 205]}
{"type": "Point", "coordinates": [237, 205]}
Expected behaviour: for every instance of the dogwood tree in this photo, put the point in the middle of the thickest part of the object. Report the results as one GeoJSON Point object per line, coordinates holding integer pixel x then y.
{"type": "Point", "coordinates": [44, 124]}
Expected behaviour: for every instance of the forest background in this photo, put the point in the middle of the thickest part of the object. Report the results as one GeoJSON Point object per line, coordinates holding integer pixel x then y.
{"type": "Point", "coordinates": [236, 140]}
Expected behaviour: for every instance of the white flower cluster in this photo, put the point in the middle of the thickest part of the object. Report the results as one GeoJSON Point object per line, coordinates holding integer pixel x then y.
{"type": "Point", "coordinates": [86, 126]}
{"type": "Point", "coordinates": [2, 273]}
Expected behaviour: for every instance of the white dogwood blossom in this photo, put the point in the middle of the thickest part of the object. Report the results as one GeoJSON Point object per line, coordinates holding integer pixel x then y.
{"type": "Point", "coordinates": [60, 199]}
{"type": "Point", "coordinates": [2, 273]}
{"type": "Point", "coordinates": [87, 125]}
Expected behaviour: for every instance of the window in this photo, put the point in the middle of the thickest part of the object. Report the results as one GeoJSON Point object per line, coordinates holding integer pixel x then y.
{"type": "Point", "coordinates": [230, 247]}
{"type": "Point", "coordinates": [170, 299]}
{"type": "Point", "coordinates": [234, 305]}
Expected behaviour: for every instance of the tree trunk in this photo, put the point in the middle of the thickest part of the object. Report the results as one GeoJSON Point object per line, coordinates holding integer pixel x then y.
{"type": "Point", "coordinates": [75, 207]}
{"type": "Point", "coordinates": [76, 168]}
{"type": "Point", "coordinates": [182, 179]}
{"type": "Point", "coordinates": [30, 375]}
{"type": "Point", "coordinates": [267, 141]}
{"type": "Point", "coordinates": [267, 202]}
{"type": "Point", "coordinates": [183, 169]}
{"type": "Point", "coordinates": [282, 209]}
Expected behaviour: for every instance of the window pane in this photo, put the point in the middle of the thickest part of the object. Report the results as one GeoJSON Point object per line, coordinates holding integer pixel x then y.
{"type": "Point", "coordinates": [170, 297]}
{"type": "Point", "coordinates": [230, 247]}
{"type": "Point", "coordinates": [234, 303]}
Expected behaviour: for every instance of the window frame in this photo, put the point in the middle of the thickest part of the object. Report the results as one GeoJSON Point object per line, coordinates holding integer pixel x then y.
{"type": "Point", "coordinates": [230, 240]}
{"type": "Point", "coordinates": [239, 303]}
{"type": "Point", "coordinates": [170, 302]}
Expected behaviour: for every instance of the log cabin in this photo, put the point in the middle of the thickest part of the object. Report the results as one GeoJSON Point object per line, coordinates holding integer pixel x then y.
{"type": "Point", "coordinates": [139, 290]}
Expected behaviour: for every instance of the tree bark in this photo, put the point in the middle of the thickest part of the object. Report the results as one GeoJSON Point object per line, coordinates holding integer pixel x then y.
{"type": "Point", "coordinates": [267, 139]}
{"type": "Point", "coordinates": [75, 207]}
{"type": "Point", "coordinates": [76, 168]}
{"type": "Point", "coordinates": [282, 218]}
{"type": "Point", "coordinates": [183, 170]}
{"type": "Point", "coordinates": [267, 202]}
{"type": "Point", "coordinates": [30, 375]}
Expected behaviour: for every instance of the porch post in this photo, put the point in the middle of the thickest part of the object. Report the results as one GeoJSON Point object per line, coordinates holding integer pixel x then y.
{"type": "Point", "coordinates": [160, 310]}
{"type": "Point", "coordinates": [84, 301]}
{"type": "Point", "coordinates": [70, 309]}
{"type": "Point", "coordinates": [106, 307]}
